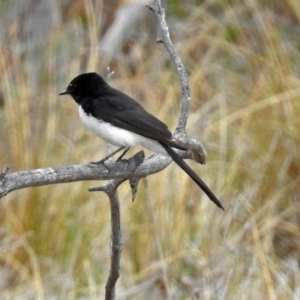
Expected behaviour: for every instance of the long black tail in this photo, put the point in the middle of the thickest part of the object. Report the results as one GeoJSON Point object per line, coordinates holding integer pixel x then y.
{"type": "Point", "coordinates": [185, 167]}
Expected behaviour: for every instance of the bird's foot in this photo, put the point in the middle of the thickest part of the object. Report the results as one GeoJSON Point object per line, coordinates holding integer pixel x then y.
{"type": "Point", "coordinates": [101, 161]}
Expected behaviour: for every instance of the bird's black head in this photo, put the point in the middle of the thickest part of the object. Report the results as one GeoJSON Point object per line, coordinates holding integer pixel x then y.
{"type": "Point", "coordinates": [86, 84]}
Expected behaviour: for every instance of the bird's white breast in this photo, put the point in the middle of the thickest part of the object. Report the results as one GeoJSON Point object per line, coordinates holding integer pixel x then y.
{"type": "Point", "coordinates": [118, 136]}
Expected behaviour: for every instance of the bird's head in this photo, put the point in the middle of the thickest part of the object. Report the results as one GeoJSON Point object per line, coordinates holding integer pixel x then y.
{"type": "Point", "coordinates": [86, 84]}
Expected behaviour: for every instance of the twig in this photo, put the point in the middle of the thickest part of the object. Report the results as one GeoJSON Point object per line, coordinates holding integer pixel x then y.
{"type": "Point", "coordinates": [197, 150]}
{"type": "Point", "coordinates": [166, 41]}
{"type": "Point", "coordinates": [134, 182]}
{"type": "Point", "coordinates": [116, 236]}
{"type": "Point", "coordinates": [116, 239]}
{"type": "Point", "coordinates": [3, 174]}
{"type": "Point", "coordinates": [116, 246]}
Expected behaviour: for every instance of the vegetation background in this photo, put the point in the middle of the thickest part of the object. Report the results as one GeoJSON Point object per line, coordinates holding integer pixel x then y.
{"type": "Point", "coordinates": [243, 60]}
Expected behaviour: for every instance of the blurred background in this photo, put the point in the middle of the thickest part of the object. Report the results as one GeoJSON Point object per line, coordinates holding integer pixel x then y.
{"type": "Point", "coordinates": [242, 58]}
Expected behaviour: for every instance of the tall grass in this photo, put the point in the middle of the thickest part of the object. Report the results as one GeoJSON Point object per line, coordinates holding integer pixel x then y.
{"type": "Point", "coordinates": [242, 59]}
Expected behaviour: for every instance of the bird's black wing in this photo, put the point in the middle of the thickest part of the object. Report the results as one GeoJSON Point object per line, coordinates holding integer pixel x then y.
{"type": "Point", "coordinates": [124, 112]}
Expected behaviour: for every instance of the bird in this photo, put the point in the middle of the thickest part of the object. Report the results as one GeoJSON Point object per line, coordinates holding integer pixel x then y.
{"type": "Point", "coordinates": [121, 121]}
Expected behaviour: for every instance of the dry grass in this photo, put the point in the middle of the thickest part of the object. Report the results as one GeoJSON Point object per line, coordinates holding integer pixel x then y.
{"type": "Point", "coordinates": [242, 60]}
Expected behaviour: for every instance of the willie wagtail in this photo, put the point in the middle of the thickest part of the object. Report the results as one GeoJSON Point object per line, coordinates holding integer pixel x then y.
{"type": "Point", "coordinates": [120, 120]}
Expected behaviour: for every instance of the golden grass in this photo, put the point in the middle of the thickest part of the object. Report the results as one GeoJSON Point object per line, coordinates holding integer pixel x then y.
{"type": "Point", "coordinates": [242, 64]}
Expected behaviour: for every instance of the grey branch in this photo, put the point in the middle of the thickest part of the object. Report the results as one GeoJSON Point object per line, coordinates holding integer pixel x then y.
{"type": "Point", "coordinates": [116, 237]}
{"type": "Point", "coordinates": [111, 189]}
{"type": "Point", "coordinates": [195, 146]}
{"type": "Point", "coordinates": [131, 168]}
{"type": "Point", "coordinates": [166, 41]}
{"type": "Point", "coordinates": [72, 173]}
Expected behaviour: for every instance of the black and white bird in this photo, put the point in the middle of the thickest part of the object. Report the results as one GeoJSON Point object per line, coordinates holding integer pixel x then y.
{"type": "Point", "coordinates": [121, 121]}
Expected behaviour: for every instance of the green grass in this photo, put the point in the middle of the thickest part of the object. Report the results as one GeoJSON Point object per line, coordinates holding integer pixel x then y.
{"type": "Point", "coordinates": [242, 60]}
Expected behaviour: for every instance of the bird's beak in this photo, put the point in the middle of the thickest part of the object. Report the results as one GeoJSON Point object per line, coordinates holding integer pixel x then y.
{"type": "Point", "coordinates": [65, 92]}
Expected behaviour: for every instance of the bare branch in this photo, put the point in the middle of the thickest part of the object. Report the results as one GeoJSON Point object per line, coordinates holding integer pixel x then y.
{"type": "Point", "coordinates": [134, 182]}
{"type": "Point", "coordinates": [196, 147]}
{"type": "Point", "coordinates": [116, 240]}
{"type": "Point", "coordinates": [116, 237]}
{"type": "Point", "coordinates": [131, 168]}
{"type": "Point", "coordinates": [71, 173]}
{"type": "Point", "coordinates": [116, 246]}
{"type": "Point", "coordinates": [166, 41]}
{"type": "Point", "coordinates": [3, 174]}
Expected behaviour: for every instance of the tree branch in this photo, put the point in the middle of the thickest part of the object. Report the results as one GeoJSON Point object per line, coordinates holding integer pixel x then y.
{"type": "Point", "coordinates": [131, 168]}
{"type": "Point", "coordinates": [166, 41]}
{"type": "Point", "coordinates": [72, 173]}
{"type": "Point", "coordinates": [116, 239]}
{"type": "Point", "coordinates": [116, 235]}
{"type": "Point", "coordinates": [195, 146]}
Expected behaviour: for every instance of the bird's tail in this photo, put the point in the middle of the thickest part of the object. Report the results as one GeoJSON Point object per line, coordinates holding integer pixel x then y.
{"type": "Point", "coordinates": [185, 167]}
